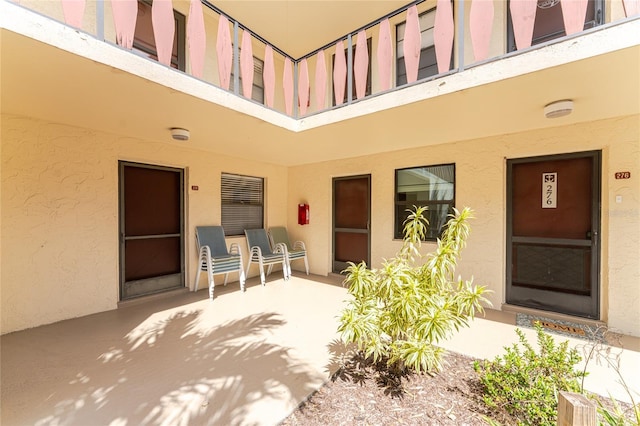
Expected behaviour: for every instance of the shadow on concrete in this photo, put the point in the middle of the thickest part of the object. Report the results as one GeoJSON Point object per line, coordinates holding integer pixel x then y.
{"type": "Point", "coordinates": [166, 371]}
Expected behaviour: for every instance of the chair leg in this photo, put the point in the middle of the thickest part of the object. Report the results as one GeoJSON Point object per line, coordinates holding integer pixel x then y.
{"type": "Point", "coordinates": [248, 267]}
{"type": "Point", "coordinates": [306, 264]}
{"type": "Point", "coordinates": [262, 280]}
{"type": "Point", "coordinates": [212, 283]}
{"type": "Point", "coordinates": [226, 277]}
{"type": "Point", "coordinates": [269, 269]}
{"type": "Point", "coordinates": [195, 287]}
{"type": "Point", "coordinates": [242, 279]}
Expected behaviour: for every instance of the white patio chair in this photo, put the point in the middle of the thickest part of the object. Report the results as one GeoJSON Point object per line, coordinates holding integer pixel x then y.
{"type": "Point", "coordinates": [260, 252]}
{"type": "Point", "coordinates": [214, 257]}
{"type": "Point", "coordinates": [279, 235]}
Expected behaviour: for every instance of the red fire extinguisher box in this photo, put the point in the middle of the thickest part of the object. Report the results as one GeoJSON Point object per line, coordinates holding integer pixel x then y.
{"type": "Point", "coordinates": [303, 214]}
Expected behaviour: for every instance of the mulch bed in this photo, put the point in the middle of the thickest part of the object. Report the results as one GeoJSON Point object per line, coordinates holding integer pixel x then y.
{"type": "Point", "coordinates": [364, 395]}
{"type": "Point", "coordinates": [361, 394]}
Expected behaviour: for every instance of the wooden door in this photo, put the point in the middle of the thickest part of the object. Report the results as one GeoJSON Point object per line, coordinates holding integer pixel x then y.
{"type": "Point", "coordinates": [351, 220]}
{"type": "Point", "coordinates": [553, 224]}
{"type": "Point", "coordinates": [151, 229]}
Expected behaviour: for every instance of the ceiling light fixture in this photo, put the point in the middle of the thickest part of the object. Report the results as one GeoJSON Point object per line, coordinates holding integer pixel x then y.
{"type": "Point", "coordinates": [558, 108]}
{"type": "Point", "coordinates": [179, 134]}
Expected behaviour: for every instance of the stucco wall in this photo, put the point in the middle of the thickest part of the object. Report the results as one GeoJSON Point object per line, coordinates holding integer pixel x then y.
{"type": "Point", "coordinates": [60, 214]}
{"type": "Point", "coordinates": [480, 184]}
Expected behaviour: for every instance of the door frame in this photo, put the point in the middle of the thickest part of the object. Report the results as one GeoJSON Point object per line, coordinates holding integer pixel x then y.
{"type": "Point", "coordinates": [121, 224]}
{"type": "Point", "coordinates": [596, 201]}
{"type": "Point", "coordinates": [338, 267]}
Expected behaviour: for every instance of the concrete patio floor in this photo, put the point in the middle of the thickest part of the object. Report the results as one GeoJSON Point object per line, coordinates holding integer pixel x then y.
{"type": "Point", "coordinates": [178, 359]}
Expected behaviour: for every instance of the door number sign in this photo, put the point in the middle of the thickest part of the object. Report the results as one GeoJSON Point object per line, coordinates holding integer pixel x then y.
{"type": "Point", "coordinates": [549, 190]}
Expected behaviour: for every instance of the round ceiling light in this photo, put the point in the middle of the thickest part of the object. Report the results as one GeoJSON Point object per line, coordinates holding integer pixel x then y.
{"type": "Point", "coordinates": [558, 108]}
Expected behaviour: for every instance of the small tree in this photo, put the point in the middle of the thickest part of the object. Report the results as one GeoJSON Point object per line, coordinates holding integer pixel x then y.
{"type": "Point", "coordinates": [402, 310]}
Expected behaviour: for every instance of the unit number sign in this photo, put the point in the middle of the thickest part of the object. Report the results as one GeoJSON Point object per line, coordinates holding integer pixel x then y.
{"type": "Point", "coordinates": [549, 190]}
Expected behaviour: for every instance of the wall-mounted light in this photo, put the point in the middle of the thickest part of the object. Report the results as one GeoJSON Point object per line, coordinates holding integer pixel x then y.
{"type": "Point", "coordinates": [558, 108]}
{"type": "Point", "coordinates": [179, 134]}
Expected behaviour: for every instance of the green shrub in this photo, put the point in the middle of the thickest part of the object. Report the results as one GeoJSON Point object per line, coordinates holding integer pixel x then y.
{"type": "Point", "coordinates": [612, 414]}
{"type": "Point", "coordinates": [400, 311]}
{"type": "Point", "coordinates": [526, 383]}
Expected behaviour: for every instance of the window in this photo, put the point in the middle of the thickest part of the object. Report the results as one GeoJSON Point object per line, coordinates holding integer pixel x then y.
{"type": "Point", "coordinates": [428, 65]}
{"type": "Point", "coordinates": [242, 203]}
{"type": "Point", "coordinates": [257, 93]}
{"type": "Point", "coordinates": [353, 77]}
{"type": "Point", "coordinates": [549, 24]}
{"type": "Point", "coordinates": [144, 40]}
{"type": "Point", "coordinates": [430, 186]}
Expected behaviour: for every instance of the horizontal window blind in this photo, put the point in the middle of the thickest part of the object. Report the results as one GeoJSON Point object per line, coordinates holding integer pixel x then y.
{"type": "Point", "coordinates": [257, 93]}
{"type": "Point", "coordinates": [427, 65]}
{"type": "Point", "coordinates": [242, 203]}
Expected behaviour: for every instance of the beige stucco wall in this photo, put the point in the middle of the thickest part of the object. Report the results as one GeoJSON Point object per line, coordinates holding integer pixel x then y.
{"type": "Point", "coordinates": [480, 184]}
{"type": "Point", "coordinates": [60, 214]}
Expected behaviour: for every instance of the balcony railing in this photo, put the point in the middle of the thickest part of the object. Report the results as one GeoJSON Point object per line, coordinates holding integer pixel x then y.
{"type": "Point", "coordinates": [424, 40]}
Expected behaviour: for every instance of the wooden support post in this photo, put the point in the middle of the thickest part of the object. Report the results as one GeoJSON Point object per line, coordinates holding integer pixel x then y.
{"type": "Point", "coordinates": [575, 409]}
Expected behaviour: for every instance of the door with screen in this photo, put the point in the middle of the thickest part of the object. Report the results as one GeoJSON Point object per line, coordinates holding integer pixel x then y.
{"type": "Point", "coordinates": [151, 229]}
{"type": "Point", "coordinates": [553, 224]}
{"type": "Point", "coordinates": [351, 219]}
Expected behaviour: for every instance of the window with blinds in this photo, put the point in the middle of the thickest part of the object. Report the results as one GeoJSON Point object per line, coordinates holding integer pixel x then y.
{"type": "Point", "coordinates": [367, 91]}
{"type": "Point", "coordinates": [427, 66]}
{"type": "Point", "coordinates": [257, 92]}
{"type": "Point", "coordinates": [242, 203]}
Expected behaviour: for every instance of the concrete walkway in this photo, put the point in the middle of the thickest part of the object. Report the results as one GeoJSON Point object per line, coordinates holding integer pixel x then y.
{"type": "Point", "coordinates": [244, 359]}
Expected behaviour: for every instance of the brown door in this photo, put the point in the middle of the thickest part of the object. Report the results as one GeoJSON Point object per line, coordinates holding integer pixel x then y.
{"type": "Point", "coordinates": [351, 218]}
{"type": "Point", "coordinates": [553, 221]}
{"type": "Point", "coordinates": [151, 223]}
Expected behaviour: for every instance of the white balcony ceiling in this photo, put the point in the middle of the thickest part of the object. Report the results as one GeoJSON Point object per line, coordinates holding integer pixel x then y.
{"type": "Point", "coordinates": [300, 26]}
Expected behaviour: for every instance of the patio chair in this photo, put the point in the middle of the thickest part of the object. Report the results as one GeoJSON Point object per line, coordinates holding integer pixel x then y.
{"type": "Point", "coordinates": [260, 252]}
{"type": "Point", "coordinates": [214, 257]}
{"type": "Point", "coordinates": [278, 234]}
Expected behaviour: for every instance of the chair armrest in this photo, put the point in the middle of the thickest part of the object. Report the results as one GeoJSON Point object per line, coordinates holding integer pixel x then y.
{"type": "Point", "coordinates": [299, 245]}
{"type": "Point", "coordinates": [281, 248]}
{"type": "Point", "coordinates": [255, 250]}
{"type": "Point", "coordinates": [234, 248]}
{"type": "Point", "coordinates": [205, 255]}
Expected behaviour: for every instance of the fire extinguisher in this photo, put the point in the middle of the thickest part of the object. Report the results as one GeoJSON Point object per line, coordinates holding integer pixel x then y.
{"type": "Point", "coordinates": [303, 214]}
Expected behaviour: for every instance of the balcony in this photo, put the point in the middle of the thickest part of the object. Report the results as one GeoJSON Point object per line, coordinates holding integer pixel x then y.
{"type": "Point", "coordinates": [426, 51]}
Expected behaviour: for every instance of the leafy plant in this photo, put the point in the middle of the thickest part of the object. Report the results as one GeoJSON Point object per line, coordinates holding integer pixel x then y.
{"type": "Point", "coordinates": [400, 311]}
{"type": "Point", "coordinates": [615, 414]}
{"type": "Point", "coordinates": [526, 383]}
